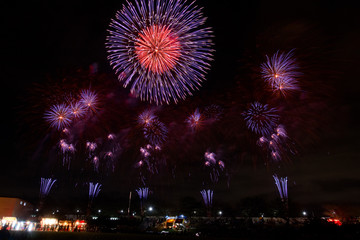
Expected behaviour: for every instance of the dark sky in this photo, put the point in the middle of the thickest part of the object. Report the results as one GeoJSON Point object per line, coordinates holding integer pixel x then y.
{"type": "Point", "coordinates": [47, 38]}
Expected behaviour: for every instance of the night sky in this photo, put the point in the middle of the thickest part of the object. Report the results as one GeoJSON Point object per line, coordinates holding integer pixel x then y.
{"type": "Point", "coordinates": [51, 43]}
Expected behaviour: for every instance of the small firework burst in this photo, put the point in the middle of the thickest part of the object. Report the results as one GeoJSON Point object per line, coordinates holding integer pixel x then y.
{"type": "Point", "coordinates": [156, 133]}
{"type": "Point", "coordinates": [91, 146]}
{"type": "Point", "coordinates": [89, 99]}
{"type": "Point", "coordinates": [281, 72]}
{"type": "Point", "coordinates": [77, 109]}
{"type": "Point", "coordinates": [260, 118]}
{"type": "Point", "coordinates": [146, 118]}
{"type": "Point", "coordinates": [194, 120]}
{"type": "Point", "coordinates": [160, 48]}
{"type": "Point", "coordinates": [59, 116]}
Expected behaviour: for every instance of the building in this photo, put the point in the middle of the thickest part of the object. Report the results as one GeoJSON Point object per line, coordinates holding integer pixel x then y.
{"type": "Point", "coordinates": [15, 207]}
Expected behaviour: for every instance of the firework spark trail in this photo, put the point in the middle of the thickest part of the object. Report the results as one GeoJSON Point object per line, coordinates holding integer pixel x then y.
{"type": "Point", "coordinates": [96, 163]}
{"type": "Point", "coordinates": [94, 189]}
{"type": "Point", "coordinates": [260, 118]}
{"type": "Point", "coordinates": [216, 166]}
{"type": "Point", "coordinates": [281, 185]}
{"type": "Point", "coordinates": [281, 72]}
{"type": "Point", "coordinates": [143, 192]}
{"type": "Point", "coordinates": [207, 195]}
{"type": "Point", "coordinates": [45, 186]}
{"type": "Point", "coordinates": [160, 49]}
{"type": "Point", "coordinates": [59, 116]}
{"type": "Point", "coordinates": [67, 150]}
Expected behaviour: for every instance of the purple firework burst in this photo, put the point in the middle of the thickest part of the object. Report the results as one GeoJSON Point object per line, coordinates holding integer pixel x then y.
{"type": "Point", "coordinates": [260, 118]}
{"type": "Point", "coordinates": [281, 71]}
{"type": "Point", "coordinates": [89, 99]}
{"type": "Point", "coordinates": [77, 109]}
{"type": "Point", "coordinates": [59, 116]}
{"type": "Point", "coordinates": [160, 48]}
{"type": "Point", "coordinates": [156, 133]}
{"type": "Point", "coordinates": [194, 120]}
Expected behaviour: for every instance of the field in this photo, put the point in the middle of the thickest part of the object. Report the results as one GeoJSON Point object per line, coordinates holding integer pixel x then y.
{"type": "Point", "coordinates": [350, 232]}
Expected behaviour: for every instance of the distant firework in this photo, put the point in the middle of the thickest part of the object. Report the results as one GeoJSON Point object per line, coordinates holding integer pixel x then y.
{"type": "Point", "coordinates": [143, 193]}
{"type": "Point", "coordinates": [281, 72]}
{"type": "Point", "coordinates": [59, 116]}
{"type": "Point", "coordinates": [207, 195]}
{"type": "Point", "coordinates": [215, 166]}
{"type": "Point", "coordinates": [89, 99]}
{"type": "Point", "coordinates": [260, 118]}
{"type": "Point", "coordinates": [281, 185]}
{"type": "Point", "coordinates": [94, 189]}
{"type": "Point", "coordinates": [45, 186]}
{"type": "Point", "coordinates": [156, 133]}
{"type": "Point", "coordinates": [194, 120]}
{"type": "Point", "coordinates": [77, 109]}
{"type": "Point", "coordinates": [160, 48]}
{"type": "Point", "coordinates": [213, 112]}
{"type": "Point", "coordinates": [146, 118]}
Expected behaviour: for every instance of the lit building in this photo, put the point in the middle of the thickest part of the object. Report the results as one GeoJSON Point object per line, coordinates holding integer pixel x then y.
{"type": "Point", "coordinates": [15, 207]}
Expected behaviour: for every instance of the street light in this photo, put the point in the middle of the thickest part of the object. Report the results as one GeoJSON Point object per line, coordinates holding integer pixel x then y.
{"type": "Point", "coordinates": [304, 213]}
{"type": "Point", "coordinates": [150, 209]}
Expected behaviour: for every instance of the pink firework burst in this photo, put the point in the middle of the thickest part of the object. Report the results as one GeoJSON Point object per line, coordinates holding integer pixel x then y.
{"type": "Point", "coordinates": [157, 48]}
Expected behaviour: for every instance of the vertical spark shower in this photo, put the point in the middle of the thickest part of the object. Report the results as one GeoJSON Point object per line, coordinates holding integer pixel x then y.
{"type": "Point", "coordinates": [281, 185]}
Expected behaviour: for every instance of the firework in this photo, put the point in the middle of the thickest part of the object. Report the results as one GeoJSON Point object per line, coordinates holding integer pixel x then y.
{"type": "Point", "coordinates": [280, 72]}
{"type": "Point", "coordinates": [260, 118]}
{"type": "Point", "coordinates": [143, 195]}
{"type": "Point", "coordinates": [207, 196]}
{"type": "Point", "coordinates": [89, 100]}
{"type": "Point", "coordinates": [215, 166]}
{"type": "Point", "coordinates": [214, 112]}
{"type": "Point", "coordinates": [146, 118]}
{"type": "Point", "coordinates": [94, 189]}
{"type": "Point", "coordinates": [67, 150]}
{"type": "Point", "coordinates": [194, 120]}
{"type": "Point", "coordinates": [59, 116]}
{"type": "Point", "coordinates": [45, 186]}
{"type": "Point", "coordinates": [77, 109]}
{"type": "Point", "coordinates": [281, 185]}
{"type": "Point", "coordinates": [111, 136]}
{"type": "Point", "coordinates": [155, 133]}
{"type": "Point", "coordinates": [160, 48]}
{"type": "Point", "coordinates": [143, 192]}
{"type": "Point", "coordinates": [91, 146]}
{"type": "Point", "coordinates": [96, 163]}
